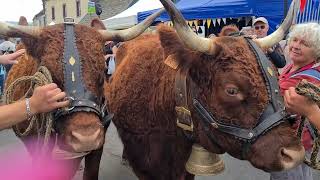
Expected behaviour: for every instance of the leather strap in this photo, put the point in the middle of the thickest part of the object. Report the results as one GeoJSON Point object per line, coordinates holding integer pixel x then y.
{"type": "Point", "coordinates": [269, 76]}
{"type": "Point", "coordinates": [82, 100]}
{"type": "Point", "coordinates": [184, 119]}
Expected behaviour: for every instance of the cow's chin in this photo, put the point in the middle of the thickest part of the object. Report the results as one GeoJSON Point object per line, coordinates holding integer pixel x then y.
{"type": "Point", "coordinates": [277, 150]}
{"type": "Point", "coordinates": [83, 132]}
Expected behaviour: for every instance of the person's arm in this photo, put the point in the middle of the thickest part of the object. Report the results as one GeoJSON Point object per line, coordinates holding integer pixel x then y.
{"type": "Point", "coordinates": [277, 58]}
{"type": "Point", "coordinates": [11, 58]}
{"type": "Point", "coordinates": [303, 106]}
{"type": "Point", "coordinates": [44, 99]}
{"type": "Point", "coordinates": [314, 118]}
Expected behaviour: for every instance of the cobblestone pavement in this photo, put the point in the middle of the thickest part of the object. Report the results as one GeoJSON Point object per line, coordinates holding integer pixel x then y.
{"type": "Point", "coordinates": [112, 169]}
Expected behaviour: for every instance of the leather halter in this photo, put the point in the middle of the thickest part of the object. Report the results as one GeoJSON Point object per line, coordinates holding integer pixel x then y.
{"type": "Point", "coordinates": [82, 99]}
{"type": "Point", "coordinates": [271, 117]}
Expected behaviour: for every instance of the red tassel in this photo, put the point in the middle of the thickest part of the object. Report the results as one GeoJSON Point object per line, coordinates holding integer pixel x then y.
{"type": "Point", "coordinates": [302, 5]}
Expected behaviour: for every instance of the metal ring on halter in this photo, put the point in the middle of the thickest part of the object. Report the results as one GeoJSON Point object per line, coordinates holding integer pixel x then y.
{"type": "Point", "coordinates": [70, 99]}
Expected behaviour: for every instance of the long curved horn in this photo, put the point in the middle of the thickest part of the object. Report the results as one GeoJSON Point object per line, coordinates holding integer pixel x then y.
{"type": "Point", "coordinates": [188, 37]}
{"type": "Point", "coordinates": [131, 33]}
{"type": "Point", "coordinates": [279, 34]}
{"type": "Point", "coordinates": [10, 30]}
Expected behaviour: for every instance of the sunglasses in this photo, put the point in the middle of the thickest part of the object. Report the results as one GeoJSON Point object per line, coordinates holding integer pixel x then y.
{"type": "Point", "coordinates": [259, 27]}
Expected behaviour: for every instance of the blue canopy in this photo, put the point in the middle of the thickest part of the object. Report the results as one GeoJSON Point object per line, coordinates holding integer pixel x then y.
{"type": "Point", "coordinates": [273, 10]}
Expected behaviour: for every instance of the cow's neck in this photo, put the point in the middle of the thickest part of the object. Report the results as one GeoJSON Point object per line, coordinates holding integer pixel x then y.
{"type": "Point", "coordinates": [184, 90]}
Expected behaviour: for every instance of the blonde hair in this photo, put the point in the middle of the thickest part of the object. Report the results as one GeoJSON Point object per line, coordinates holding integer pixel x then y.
{"type": "Point", "coordinates": [310, 32]}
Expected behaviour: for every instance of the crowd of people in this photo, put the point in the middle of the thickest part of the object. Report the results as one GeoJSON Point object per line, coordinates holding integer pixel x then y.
{"type": "Point", "coordinates": [302, 43]}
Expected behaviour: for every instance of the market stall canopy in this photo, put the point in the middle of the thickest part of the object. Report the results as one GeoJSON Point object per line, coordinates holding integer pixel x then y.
{"type": "Point", "coordinates": [128, 17]}
{"type": "Point", "coordinates": [273, 10]}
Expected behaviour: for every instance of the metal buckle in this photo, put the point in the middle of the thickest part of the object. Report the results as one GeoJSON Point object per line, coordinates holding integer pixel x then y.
{"type": "Point", "coordinates": [184, 113]}
{"type": "Point", "coordinates": [69, 108]}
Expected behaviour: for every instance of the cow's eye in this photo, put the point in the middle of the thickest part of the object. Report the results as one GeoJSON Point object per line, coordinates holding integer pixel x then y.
{"type": "Point", "coordinates": [232, 91]}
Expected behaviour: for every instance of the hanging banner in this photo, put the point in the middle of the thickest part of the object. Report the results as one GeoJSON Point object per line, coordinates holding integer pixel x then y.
{"type": "Point", "coordinates": [91, 7]}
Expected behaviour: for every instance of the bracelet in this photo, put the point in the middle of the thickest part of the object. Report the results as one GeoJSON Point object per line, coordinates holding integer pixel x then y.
{"type": "Point", "coordinates": [28, 109]}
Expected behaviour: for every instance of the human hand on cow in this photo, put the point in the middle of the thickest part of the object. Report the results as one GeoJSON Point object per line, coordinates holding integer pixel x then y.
{"type": "Point", "coordinates": [301, 105]}
{"type": "Point", "coordinates": [11, 58]}
{"type": "Point", "coordinates": [47, 98]}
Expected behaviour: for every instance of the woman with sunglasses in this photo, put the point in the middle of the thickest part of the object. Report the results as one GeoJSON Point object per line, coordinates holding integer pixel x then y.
{"type": "Point", "coordinates": [275, 54]}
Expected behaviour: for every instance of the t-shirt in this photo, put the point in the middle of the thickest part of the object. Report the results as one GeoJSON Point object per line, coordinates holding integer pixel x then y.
{"type": "Point", "coordinates": [290, 79]}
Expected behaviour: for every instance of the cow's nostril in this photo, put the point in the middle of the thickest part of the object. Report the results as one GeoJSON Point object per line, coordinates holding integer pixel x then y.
{"type": "Point", "coordinates": [86, 138]}
{"type": "Point", "coordinates": [291, 158]}
{"type": "Point", "coordinates": [285, 155]}
{"type": "Point", "coordinates": [83, 142]}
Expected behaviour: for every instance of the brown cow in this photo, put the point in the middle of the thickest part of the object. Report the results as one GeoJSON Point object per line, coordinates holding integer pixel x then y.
{"type": "Point", "coordinates": [225, 76]}
{"type": "Point", "coordinates": [78, 131]}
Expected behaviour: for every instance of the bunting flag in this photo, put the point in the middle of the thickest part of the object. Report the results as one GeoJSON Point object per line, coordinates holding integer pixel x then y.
{"type": "Point", "coordinates": [208, 23]}
{"type": "Point", "coordinates": [195, 22]}
{"type": "Point", "coordinates": [218, 21]}
{"type": "Point", "coordinates": [302, 5]}
{"type": "Point", "coordinates": [214, 22]}
{"type": "Point", "coordinates": [224, 20]}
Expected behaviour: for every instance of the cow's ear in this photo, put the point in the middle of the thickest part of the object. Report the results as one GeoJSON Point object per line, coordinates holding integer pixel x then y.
{"type": "Point", "coordinates": [173, 48]}
{"type": "Point", "coordinates": [28, 41]}
{"type": "Point", "coordinates": [169, 39]}
{"type": "Point", "coordinates": [97, 24]}
{"type": "Point", "coordinates": [23, 21]}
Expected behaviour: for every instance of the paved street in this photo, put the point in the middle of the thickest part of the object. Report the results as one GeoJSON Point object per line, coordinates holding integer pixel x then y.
{"type": "Point", "coordinates": [112, 169]}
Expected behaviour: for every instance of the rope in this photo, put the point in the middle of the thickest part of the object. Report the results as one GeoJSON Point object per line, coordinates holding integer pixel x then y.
{"type": "Point", "coordinates": [312, 92]}
{"type": "Point", "coordinates": [43, 122]}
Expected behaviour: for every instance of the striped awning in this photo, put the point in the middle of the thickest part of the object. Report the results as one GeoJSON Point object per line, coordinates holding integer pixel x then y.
{"type": "Point", "coordinates": [311, 12]}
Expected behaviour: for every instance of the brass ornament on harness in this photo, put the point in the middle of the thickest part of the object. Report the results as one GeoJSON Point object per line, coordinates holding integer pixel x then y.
{"type": "Point", "coordinates": [202, 162]}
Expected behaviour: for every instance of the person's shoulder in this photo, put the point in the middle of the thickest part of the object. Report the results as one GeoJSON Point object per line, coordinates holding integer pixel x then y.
{"type": "Point", "coordinates": [312, 75]}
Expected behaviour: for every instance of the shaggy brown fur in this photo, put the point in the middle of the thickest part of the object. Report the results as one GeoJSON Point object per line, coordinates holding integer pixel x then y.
{"type": "Point", "coordinates": [229, 29]}
{"type": "Point", "coordinates": [142, 98]}
{"type": "Point", "coordinates": [47, 50]}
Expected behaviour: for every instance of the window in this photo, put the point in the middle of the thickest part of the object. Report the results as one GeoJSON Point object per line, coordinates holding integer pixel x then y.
{"type": "Point", "coordinates": [53, 15]}
{"type": "Point", "coordinates": [64, 9]}
{"type": "Point", "coordinates": [78, 8]}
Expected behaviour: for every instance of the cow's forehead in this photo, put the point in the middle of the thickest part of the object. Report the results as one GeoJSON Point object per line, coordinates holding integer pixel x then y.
{"type": "Point", "coordinates": [81, 32]}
